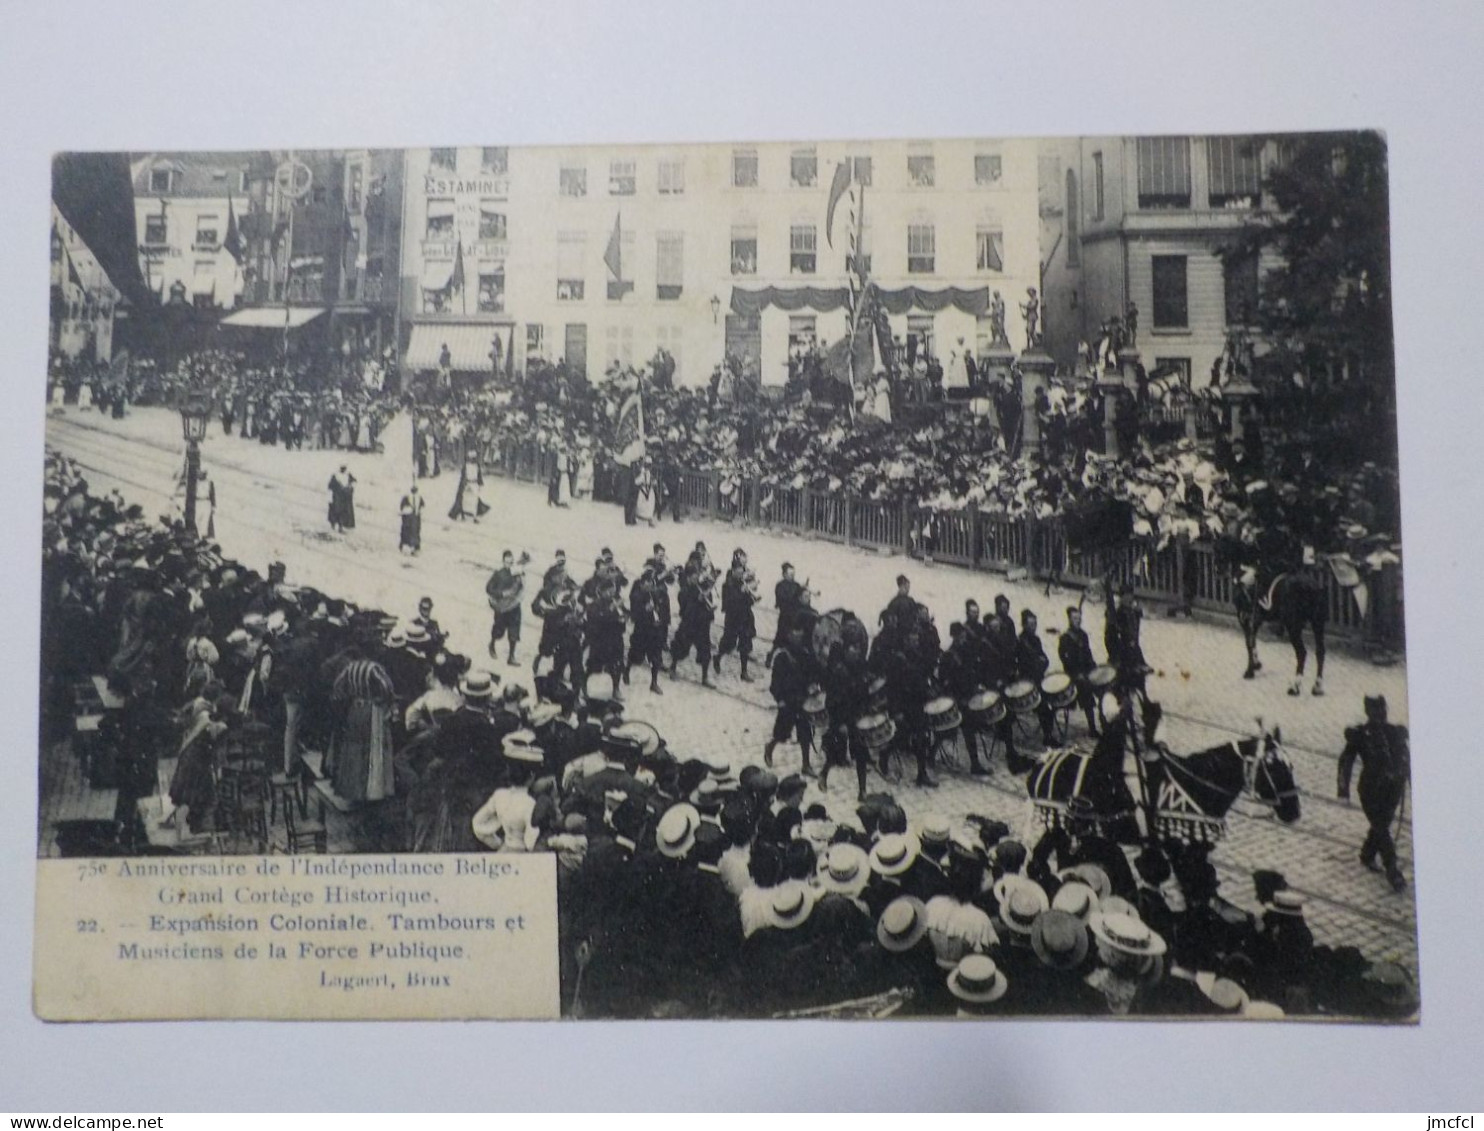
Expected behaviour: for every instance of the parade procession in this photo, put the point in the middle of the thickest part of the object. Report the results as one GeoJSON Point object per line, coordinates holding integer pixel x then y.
{"type": "Point", "coordinates": [891, 579]}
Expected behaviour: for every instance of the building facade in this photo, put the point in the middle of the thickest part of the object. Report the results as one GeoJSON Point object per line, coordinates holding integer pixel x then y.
{"type": "Point", "coordinates": [84, 301]}
{"type": "Point", "coordinates": [1151, 216]}
{"type": "Point", "coordinates": [184, 204]}
{"type": "Point", "coordinates": [599, 255]}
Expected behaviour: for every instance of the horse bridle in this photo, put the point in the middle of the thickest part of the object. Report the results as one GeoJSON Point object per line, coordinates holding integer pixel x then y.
{"type": "Point", "coordinates": [1258, 763]}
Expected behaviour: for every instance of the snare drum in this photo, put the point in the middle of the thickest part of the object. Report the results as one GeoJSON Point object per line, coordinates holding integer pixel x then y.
{"type": "Point", "coordinates": [1101, 677]}
{"type": "Point", "coordinates": [942, 715]}
{"type": "Point", "coordinates": [986, 709]}
{"type": "Point", "coordinates": [1023, 696]}
{"type": "Point", "coordinates": [1058, 690]}
{"type": "Point", "coordinates": [876, 695]}
{"type": "Point", "coordinates": [816, 711]}
{"type": "Point", "coordinates": [876, 731]}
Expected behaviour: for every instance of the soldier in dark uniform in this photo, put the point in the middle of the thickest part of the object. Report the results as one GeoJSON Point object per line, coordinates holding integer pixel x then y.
{"type": "Point", "coordinates": [604, 624]}
{"type": "Point", "coordinates": [901, 609]}
{"type": "Point", "coordinates": [1075, 651]}
{"type": "Point", "coordinates": [504, 590]}
{"type": "Point", "coordinates": [697, 612]}
{"type": "Point", "coordinates": [788, 598]}
{"type": "Point", "coordinates": [1031, 663]}
{"type": "Point", "coordinates": [847, 690]}
{"type": "Point", "coordinates": [1125, 619]}
{"type": "Point", "coordinates": [957, 672]}
{"type": "Point", "coordinates": [1385, 767]}
{"type": "Point", "coordinates": [647, 597]}
{"type": "Point", "coordinates": [739, 627]}
{"type": "Point", "coordinates": [793, 675]}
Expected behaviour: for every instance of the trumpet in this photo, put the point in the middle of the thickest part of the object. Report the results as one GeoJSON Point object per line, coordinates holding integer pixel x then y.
{"type": "Point", "coordinates": [749, 583]}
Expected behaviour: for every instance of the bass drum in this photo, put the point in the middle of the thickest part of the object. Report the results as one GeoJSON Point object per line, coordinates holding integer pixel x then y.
{"type": "Point", "coordinates": [839, 626]}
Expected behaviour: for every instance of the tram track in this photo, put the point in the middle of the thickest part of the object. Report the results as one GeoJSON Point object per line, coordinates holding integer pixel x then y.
{"type": "Point", "coordinates": [149, 466]}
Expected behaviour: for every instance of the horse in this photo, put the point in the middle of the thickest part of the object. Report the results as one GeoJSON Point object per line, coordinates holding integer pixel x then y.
{"type": "Point", "coordinates": [1296, 600]}
{"type": "Point", "coordinates": [1097, 777]}
{"type": "Point", "coordinates": [1192, 793]}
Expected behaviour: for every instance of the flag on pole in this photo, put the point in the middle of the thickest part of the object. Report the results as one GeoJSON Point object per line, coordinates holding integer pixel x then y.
{"type": "Point", "coordinates": [613, 254]}
{"type": "Point", "coordinates": [232, 244]}
{"type": "Point", "coordinates": [837, 190]}
{"type": "Point", "coordinates": [456, 280]}
{"type": "Point", "coordinates": [629, 435]}
{"type": "Point", "coordinates": [72, 276]}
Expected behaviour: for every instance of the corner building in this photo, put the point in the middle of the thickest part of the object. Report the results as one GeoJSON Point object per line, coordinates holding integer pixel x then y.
{"type": "Point", "coordinates": [719, 248]}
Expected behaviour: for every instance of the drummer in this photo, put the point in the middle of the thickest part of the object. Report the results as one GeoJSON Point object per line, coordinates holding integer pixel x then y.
{"type": "Point", "coordinates": [910, 686]}
{"type": "Point", "coordinates": [793, 675]}
{"type": "Point", "coordinates": [958, 672]}
{"type": "Point", "coordinates": [1031, 663]}
{"type": "Point", "coordinates": [1075, 651]}
{"type": "Point", "coordinates": [847, 698]}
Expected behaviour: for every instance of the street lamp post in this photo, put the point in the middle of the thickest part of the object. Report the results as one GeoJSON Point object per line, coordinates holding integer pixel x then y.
{"type": "Point", "coordinates": [194, 412]}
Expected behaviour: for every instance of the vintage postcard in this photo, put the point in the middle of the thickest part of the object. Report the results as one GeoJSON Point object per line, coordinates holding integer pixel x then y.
{"type": "Point", "coordinates": [881, 578]}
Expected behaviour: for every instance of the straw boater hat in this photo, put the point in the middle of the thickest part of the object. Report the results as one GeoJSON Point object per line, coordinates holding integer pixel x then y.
{"type": "Point", "coordinates": [1285, 902]}
{"type": "Point", "coordinates": [396, 638]}
{"type": "Point", "coordinates": [477, 685]}
{"type": "Point", "coordinates": [1060, 939]}
{"type": "Point", "coordinates": [415, 633]}
{"type": "Point", "coordinates": [1117, 905]}
{"type": "Point", "coordinates": [976, 979]}
{"type": "Point", "coordinates": [1012, 882]}
{"type": "Point", "coordinates": [675, 835]}
{"type": "Point", "coordinates": [599, 687]}
{"type": "Point", "coordinates": [1093, 875]}
{"type": "Point", "coordinates": [542, 713]}
{"type": "Point", "coordinates": [520, 746]}
{"type": "Point", "coordinates": [845, 869]}
{"type": "Point", "coordinates": [790, 906]}
{"type": "Point", "coordinates": [935, 832]}
{"type": "Point", "coordinates": [1075, 898]}
{"type": "Point", "coordinates": [1126, 934]}
{"type": "Point", "coordinates": [902, 924]}
{"type": "Point", "coordinates": [1225, 994]}
{"type": "Point", "coordinates": [1022, 905]}
{"type": "Point", "coordinates": [894, 853]}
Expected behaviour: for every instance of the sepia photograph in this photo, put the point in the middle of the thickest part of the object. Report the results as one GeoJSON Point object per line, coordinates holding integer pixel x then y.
{"type": "Point", "coordinates": [919, 578]}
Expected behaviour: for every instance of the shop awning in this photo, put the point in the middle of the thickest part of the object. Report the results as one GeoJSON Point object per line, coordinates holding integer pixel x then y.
{"type": "Point", "coordinates": [272, 317]}
{"type": "Point", "coordinates": [469, 345]}
{"type": "Point", "coordinates": [436, 274]}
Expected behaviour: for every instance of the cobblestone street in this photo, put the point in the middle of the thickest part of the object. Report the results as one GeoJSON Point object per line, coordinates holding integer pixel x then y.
{"type": "Point", "coordinates": [272, 507]}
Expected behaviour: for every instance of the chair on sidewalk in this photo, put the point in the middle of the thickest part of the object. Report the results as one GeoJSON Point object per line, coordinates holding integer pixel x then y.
{"type": "Point", "coordinates": [304, 833]}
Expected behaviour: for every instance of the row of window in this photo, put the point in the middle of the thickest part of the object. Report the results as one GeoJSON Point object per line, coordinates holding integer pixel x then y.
{"type": "Point", "coordinates": [163, 179]}
{"type": "Point", "coordinates": [494, 160]}
{"type": "Point", "coordinates": [1233, 167]}
{"type": "Point", "coordinates": [1171, 291]}
{"type": "Point", "coordinates": [803, 172]}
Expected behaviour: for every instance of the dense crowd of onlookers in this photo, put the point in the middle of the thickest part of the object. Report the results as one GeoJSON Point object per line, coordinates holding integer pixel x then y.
{"type": "Point", "coordinates": [688, 886]}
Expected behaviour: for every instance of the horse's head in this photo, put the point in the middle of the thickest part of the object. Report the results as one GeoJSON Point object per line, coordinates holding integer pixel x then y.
{"type": "Point", "coordinates": [1272, 776]}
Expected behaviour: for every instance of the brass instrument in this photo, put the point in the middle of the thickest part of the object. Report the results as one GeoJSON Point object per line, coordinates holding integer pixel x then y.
{"type": "Point", "coordinates": [749, 583]}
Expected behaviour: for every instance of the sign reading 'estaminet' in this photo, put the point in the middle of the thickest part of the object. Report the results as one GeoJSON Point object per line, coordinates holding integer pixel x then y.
{"type": "Point", "coordinates": [297, 937]}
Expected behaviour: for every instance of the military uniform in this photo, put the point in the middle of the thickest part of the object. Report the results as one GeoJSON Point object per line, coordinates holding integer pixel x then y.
{"type": "Point", "coordinates": [1385, 765]}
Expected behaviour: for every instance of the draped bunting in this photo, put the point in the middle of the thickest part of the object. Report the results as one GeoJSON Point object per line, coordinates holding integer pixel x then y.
{"type": "Point", "coordinates": [969, 300]}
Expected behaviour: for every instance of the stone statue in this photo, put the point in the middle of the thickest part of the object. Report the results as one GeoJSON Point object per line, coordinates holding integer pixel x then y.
{"type": "Point", "coordinates": [997, 320]}
{"type": "Point", "coordinates": [1131, 325]}
{"type": "Point", "coordinates": [1031, 309]}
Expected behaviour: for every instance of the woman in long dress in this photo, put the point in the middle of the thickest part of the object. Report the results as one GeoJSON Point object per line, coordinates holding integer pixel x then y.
{"type": "Point", "coordinates": [360, 755]}
{"type": "Point", "coordinates": [582, 487]}
{"type": "Point", "coordinates": [468, 500]}
{"type": "Point", "coordinates": [411, 510]}
{"type": "Point", "coordinates": [559, 488]}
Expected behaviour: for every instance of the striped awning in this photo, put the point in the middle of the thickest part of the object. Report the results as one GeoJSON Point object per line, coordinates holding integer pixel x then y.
{"type": "Point", "coordinates": [469, 345]}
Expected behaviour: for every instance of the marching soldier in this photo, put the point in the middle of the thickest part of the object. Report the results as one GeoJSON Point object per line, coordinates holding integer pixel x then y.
{"type": "Point", "coordinates": [958, 673]}
{"type": "Point", "coordinates": [792, 679]}
{"type": "Point", "coordinates": [649, 609]}
{"type": "Point", "coordinates": [1385, 766]}
{"type": "Point", "coordinates": [505, 589]}
{"type": "Point", "coordinates": [1031, 663]}
{"type": "Point", "coordinates": [561, 626]}
{"type": "Point", "coordinates": [788, 599]}
{"type": "Point", "coordinates": [1075, 651]}
{"type": "Point", "coordinates": [697, 612]}
{"type": "Point", "coordinates": [739, 627]}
